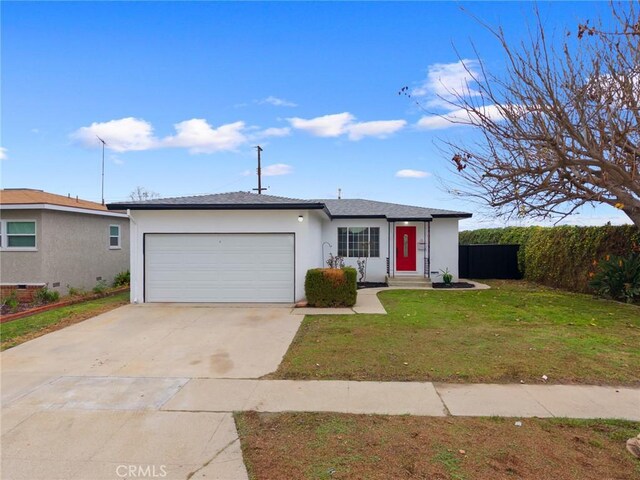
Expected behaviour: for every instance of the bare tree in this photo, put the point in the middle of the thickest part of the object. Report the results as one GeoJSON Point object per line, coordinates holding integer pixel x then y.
{"type": "Point", "coordinates": [141, 194]}
{"type": "Point", "coordinates": [560, 129]}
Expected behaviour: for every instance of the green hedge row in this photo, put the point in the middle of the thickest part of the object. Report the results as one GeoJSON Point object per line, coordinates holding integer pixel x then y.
{"type": "Point", "coordinates": [331, 287]}
{"type": "Point", "coordinates": [560, 257]}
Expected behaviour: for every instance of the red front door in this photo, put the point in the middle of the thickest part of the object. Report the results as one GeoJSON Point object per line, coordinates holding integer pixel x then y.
{"type": "Point", "coordinates": [406, 249]}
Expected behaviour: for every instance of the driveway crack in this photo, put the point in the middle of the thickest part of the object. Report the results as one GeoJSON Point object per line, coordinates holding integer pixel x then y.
{"type": "Point", "coordinates": [216, 455]}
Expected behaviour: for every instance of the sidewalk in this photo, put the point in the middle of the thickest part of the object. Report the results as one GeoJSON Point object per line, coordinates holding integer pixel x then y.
{"type": "Point", "coordinates": [407, 398]}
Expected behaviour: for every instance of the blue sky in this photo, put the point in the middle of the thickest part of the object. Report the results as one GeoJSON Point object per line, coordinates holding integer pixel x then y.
{"type": "Point", "coordinates": [182, 92]}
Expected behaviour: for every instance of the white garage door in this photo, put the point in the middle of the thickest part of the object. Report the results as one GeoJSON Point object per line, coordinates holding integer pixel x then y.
{"type": "Point", "coordinates": [219, 267]}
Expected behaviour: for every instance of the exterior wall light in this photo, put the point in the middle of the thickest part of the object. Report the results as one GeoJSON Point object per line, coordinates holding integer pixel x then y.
{"type": "Point", "coordinates": [300, 218]}
{"type": "Point", "coordinates": [406, 223]}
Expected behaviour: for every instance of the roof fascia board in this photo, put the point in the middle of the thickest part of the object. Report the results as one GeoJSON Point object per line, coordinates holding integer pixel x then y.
{"type": "Point", "coordinates": [200, 206]}
{"type": "Point", "coordinates": [60, 208]}
{"type": "Point", "coordinates": [451, 215]}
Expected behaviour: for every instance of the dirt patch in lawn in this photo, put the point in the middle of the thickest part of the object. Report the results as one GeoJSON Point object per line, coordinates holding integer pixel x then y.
{"type": "Point", "coordinates": [340, 446]}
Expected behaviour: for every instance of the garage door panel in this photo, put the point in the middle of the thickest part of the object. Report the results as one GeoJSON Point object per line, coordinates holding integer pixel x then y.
{"type": "Point", "coordinates": [219, 267]}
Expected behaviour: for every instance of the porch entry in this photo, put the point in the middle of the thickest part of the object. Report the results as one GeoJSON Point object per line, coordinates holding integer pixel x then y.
{"type": "Point", "coordinates": [406, 248]}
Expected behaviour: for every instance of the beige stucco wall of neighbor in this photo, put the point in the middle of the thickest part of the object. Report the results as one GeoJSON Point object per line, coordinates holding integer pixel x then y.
{"type": "Point", "coordinates": [73, 250]}
{"type": "Point", "coordinates": [22, 267]}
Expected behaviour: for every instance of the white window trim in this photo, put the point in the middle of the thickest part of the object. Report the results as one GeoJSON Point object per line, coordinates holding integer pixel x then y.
{"type": "Point", "coordinates": [368, 240]}
{"type": "Point", "coordinates": [119, 246]}
{"type": "Point", "coordinates": [5, 237]}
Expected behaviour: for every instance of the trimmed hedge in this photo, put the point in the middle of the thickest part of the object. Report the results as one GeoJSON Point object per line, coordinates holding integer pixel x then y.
{"type": "Point", "coordinates": [331, 287]}
{"type": "Point", "coordinates": [560, 257]}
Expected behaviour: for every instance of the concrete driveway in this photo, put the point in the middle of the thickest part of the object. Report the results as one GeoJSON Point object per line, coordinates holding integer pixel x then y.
{"type": "Point", "coordinates": [85, 402]}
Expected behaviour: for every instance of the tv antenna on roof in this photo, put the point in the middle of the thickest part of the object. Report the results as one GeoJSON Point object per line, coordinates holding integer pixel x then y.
{"type": "Point", "coordinates": [103, 144]}
{"type": "Point", "coordinates": [259, 170]}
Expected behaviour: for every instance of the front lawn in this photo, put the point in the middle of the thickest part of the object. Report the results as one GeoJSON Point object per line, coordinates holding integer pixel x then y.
{"type": "Point", "coordinates": [514, 332]}
{"type": "Point", "coordinates": [18, 331]}
{"type": "Point", "coordinates": [341, 446]}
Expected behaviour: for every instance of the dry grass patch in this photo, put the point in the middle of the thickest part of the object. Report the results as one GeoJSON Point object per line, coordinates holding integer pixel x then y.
{"type": "Point", "coordinates": [340, 446]}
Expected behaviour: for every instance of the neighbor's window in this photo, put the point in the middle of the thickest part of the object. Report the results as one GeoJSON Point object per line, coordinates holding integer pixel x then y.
{"type": "Point", "coordinates": [18, 234]}
{"type": "Point", "coordinates": [358, 241]}
{"type": "Point", "coordinates": [114, 236]}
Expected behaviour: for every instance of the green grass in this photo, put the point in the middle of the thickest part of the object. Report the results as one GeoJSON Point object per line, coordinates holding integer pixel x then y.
{"type": "Point", "coordinates": [23, 329]}
{"type": "Point", "coordinates": [515, 331]}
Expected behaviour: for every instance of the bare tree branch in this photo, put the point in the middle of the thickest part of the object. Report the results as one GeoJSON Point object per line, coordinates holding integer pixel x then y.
{"type": "Point", "coordinates": [561, 128]}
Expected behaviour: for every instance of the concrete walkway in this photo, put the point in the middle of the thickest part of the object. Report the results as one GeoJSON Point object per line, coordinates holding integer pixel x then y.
{"type": "Point", "coordinates": [407, 398]}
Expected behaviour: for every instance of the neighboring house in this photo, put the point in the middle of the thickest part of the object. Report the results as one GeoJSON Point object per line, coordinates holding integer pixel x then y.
{"type": "Point", "coordinates": [58, 241]}
{"type": "Point", "coordinates": [245, 247]}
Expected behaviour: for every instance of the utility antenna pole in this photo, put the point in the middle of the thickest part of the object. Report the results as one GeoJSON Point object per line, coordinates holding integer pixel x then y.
{"type": "Point", "coordinates": [103, 144]}
{"type": "Point", "coordinates": [259, 170]}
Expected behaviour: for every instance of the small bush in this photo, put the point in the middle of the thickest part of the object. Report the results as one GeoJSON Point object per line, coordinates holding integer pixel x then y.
{"type": "Point", "coordinates": [100, 287]}
{"type": "Point", "coordinates": [618, 278]}
{"type": "Point", "coordinates": [122, 279]}
{"type": "Point", "coordinates": [331, 287]}
{"type": "Point", "coordinates": [44, 295]}
{"type": "Point", "coordinates": [75, 292]}
{"type": "Point", "coordinates": [11, 301]}
{"type": "Point", "coordinates": [447, 277]}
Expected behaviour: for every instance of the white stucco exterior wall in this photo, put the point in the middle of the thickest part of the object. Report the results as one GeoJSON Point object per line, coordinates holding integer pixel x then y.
{"type": "Point", "coordinates": [444, 247]}
{"type": "Point", "coordinates": [376, 267]}
{"type": "Point", "coordinates": [308, 234]}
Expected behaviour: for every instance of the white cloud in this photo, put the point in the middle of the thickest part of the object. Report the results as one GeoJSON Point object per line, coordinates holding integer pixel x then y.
{"type": "Point", "coordinates": [126, 134]}
{"type": "Point", "coordinates": [277, 102]}
{"type": "Point", "coordinates": [277, 169]}
{"type": "Point", "coordinates": [458, 118]}
{"type": "Point", "coordinates": [325, 126]}
{"type": "Point", "coordinates": [344, 123]}
{"type": "Point", "coordinates": [408, 173]}
{"type": "Point", "coordinates": [3, 153]}
{"type": "Point", "coordinates": [273, 132]}
{"type": "Point", "coordinates": [380, 129]}
{"type": "Point", "coordinates": [446, 80]}
{"type": "Point", "coordinates": [200, 137]}
{"type": "Point", "coordinates": [35, 130]}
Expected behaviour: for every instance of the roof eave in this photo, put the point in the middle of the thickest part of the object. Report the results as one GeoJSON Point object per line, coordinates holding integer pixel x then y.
{"type": "Point", "coordinates": [452, 215]}
{"type": "Point", "coordinates": [409, 219]}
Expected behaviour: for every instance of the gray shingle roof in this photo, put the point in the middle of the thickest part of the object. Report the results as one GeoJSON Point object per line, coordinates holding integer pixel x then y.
{"type": "Point", "coordinates": [345, 208]}
{"type": "Point", "coordinates": [356, 207]}
{"type": "Point", "coordinates": [217, 199]}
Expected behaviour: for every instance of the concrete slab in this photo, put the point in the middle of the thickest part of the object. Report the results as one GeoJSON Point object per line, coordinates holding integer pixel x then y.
{"type": "Point", "coordinates": [394, 398]}
{"type": "Point", "coordinates": [118, 471]}
{"type": "Point", "coordinates": [34, 469]}
{"type": "Point", "coordinates": [299, 396]}
{"type": "Point", "coordinates": [155, 438]}
{"type": "Point", "coordinates": [228, 465]}
{"type": "Point", "coordinates": [60, 435]}
{"type": "Point", "coordinates": [16, 385]}
{"type": "Point", "coordinates": [13, 416]}
{"type": "Point", "coordinates": [368, 303]}
{"type": "Point", "coordinates": [213, 395]}
{"type": "Point", "coordinates": [490, 400]}
{"type": "Point", "coordinates": [104, 393]}
{"type": "Point", "coordinates": [578, 401]}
